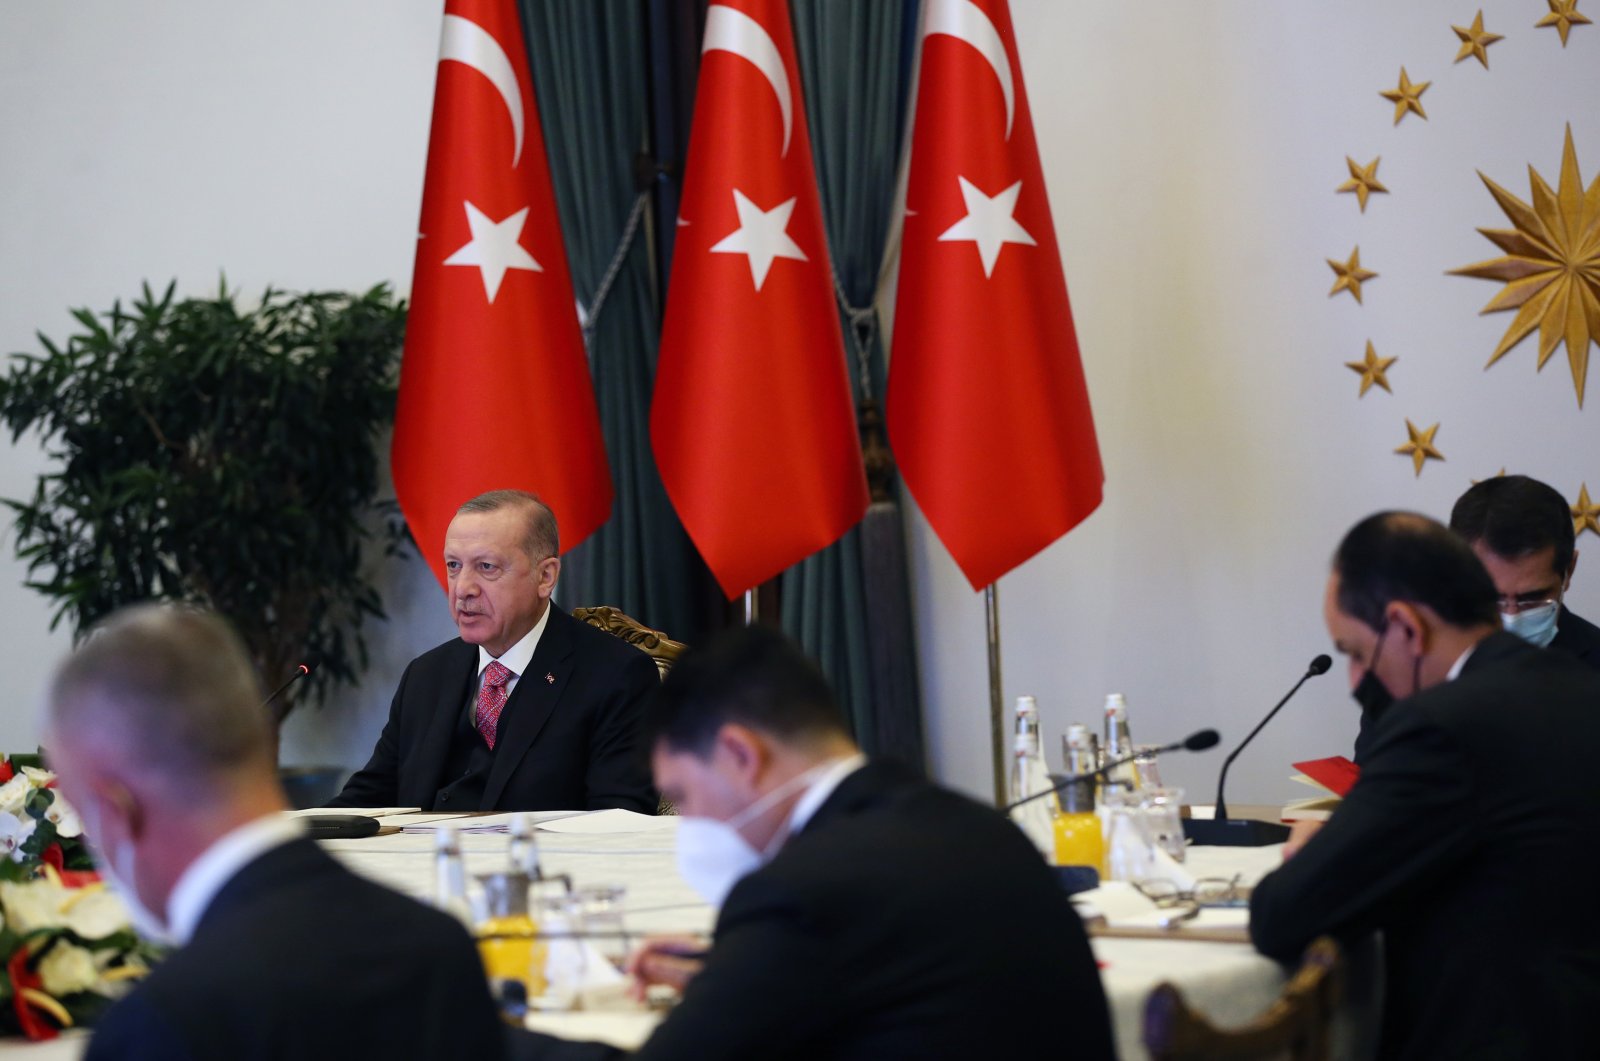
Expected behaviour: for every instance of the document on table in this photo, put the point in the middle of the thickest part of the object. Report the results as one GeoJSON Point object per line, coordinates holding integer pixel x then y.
{"type": "Point", "coordinates": [616, 820]}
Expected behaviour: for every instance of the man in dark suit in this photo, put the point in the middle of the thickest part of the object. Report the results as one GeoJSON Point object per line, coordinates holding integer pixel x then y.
{"type": "Point", "coordinates": [868, 914]}
{"type": "Point", "coordinates": [1469, 839]}
{"type": "Point", "coordinates": [157, 734]}
{"type": "Point", "coordinates": [1521, 530]}
{"type": "Point", "coordinates": [529, 709]}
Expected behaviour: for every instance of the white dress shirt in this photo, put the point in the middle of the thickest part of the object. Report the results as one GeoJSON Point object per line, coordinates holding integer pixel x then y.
{"type": "Point", "coordinates": [516, 658]}
{"type": "Point", "coordinates": [218, 864]}
{"type": "Point", "coordinates": [815, 796]}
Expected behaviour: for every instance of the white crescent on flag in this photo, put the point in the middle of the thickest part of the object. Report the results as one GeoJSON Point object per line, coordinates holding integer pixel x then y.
{"type": "Point", "coordinates": [965, 21]}
{"type": "Point", "coordinates": [464, 41]}
{"type": "Point", "coordinates": [728, 30]}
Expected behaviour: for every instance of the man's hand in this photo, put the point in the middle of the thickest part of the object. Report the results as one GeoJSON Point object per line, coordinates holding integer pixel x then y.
{"type": "Point", "coordinates": [1299, 833]}
{"type": "Point", "coordinates": [670, 960]}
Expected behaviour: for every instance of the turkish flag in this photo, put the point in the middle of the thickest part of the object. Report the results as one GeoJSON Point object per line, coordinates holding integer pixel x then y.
{"type": "Point", "coordinates": [494, 386]}
{"type": "Point", "coordinates": [752, 420]}
{"type": "Point", "coordinates": [987, 408]}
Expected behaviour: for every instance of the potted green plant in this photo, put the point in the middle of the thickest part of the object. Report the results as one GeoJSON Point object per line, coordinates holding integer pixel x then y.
{"type": "Point", "coordinates": [211, 453]}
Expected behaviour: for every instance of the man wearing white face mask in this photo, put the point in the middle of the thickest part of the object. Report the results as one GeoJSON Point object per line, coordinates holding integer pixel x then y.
{"type": "Point", "coordinates": [156, 731]}
{"type": "Point", "coordinates": [864, 912]}
{"type": "Point", "coordinates": [1522, 531]}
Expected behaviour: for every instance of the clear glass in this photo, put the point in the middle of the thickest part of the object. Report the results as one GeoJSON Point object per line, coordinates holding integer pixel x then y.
{"type": "Point", "coordinates": [600, 920]}
{"type": "Point", "coordinates": [1163, 819]}
{"type": "Point", "coordinates": [1129, 852]}
{"type": "Point", "coordinates": [1145, 765]}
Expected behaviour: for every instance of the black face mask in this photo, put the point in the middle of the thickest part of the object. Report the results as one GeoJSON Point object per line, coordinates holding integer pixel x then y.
{"type": "Point", "coordinates": [1373, 696]}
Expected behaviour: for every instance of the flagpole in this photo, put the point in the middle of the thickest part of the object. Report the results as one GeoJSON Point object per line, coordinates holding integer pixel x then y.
{"type": "Point", "coordinates": [997, 707]}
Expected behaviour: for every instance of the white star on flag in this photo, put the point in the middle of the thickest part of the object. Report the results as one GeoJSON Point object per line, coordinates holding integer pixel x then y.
{"type": "Point", "coordinates": [761, 236]}
{"type": "Point", "coordinates": [988, 223]}
{"type": "Point", "coordinates": [494, 248]}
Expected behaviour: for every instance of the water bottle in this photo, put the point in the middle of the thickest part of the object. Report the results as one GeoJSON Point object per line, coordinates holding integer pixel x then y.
{"type": "Point", "coordinates": [1028, 775]}
{"type": "Point", "coordinates": [450, 879]}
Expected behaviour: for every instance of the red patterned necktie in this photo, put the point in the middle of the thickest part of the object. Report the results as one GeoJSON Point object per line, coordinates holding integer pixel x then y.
{"type": "Point", "coordinates": [492, 699]}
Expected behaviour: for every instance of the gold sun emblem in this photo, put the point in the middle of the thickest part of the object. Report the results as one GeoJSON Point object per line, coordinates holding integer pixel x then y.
{"type": "Point", "coordinates": [1551, 267]}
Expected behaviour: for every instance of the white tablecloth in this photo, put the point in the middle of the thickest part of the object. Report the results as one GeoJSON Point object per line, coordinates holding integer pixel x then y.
{"type": "Point", "coordinates": [1228, 982]}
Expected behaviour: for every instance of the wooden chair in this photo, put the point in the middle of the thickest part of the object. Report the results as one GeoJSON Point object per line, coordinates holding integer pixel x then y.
{"type": "Point", "coordinates": [653, 643]}
{"type": "Point", "coordinates": [1297, 1024]}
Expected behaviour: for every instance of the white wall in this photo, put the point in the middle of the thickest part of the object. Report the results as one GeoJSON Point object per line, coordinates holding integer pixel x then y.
{"type": "Point", "coordinates": [1192, 152]}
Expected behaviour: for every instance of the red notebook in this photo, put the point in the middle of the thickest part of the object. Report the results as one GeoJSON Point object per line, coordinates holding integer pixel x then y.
{"type": "Point", "coordinates": [1336, 774]}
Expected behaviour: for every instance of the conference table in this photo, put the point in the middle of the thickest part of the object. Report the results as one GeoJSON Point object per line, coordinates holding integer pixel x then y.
{"type": "Point", "coordinates": [1227, 981]}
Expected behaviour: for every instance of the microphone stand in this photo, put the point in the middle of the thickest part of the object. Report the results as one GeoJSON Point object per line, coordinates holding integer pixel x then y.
{"type": "Point", "coordinates": [1222, 831]}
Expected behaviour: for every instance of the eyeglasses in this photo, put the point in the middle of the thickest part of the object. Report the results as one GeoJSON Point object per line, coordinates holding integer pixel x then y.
{"type": "Point", "coordinates": [1516, 605]}
{"type": "Point", "coordinates": [1207, 891]}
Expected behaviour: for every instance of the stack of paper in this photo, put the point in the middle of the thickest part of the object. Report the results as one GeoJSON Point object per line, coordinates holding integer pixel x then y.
{"type": "Point", "coordinates": [1335, 776]}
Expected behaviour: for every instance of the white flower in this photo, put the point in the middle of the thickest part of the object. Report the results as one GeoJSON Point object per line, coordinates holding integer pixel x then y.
{"type": "Point", "coordinates": [32, 904]}
{"type": "Point", "coordinates": [14, 793]}
{"type": "Point", "coordinates": [67, 969]}
{"type": "Point", "coordinates": [94, 912]}
{"type": "Point", "coordinates": [40, 778]}
{"type": "Point", "coordinates": [64, 818]}
{"type": "Point", "coordinates": [14, 832]}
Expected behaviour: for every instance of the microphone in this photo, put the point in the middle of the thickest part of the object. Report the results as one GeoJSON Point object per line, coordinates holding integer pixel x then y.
{"type": "Point", "coordinates": [300, 671]}
{"type": "Point", "coordinates": [1198, 741]}
{"type": "Point", "coordinates": [1221, 831]}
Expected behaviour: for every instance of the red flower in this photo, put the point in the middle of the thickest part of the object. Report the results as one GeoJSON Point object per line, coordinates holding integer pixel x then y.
{"type": "Point", "coordinates": [52, 856]}
{"type": "Point", "coordinates": [33, 1026]}
{"type": "Point", "coordinates": [6, 771]}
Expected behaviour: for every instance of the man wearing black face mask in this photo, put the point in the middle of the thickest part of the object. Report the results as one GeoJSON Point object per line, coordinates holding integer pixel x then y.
{"type": "Point", "coordinates": [1469, 839]}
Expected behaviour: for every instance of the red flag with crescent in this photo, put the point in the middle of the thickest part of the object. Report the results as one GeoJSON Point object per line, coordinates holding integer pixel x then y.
{"type": "Point", "coordinates": [494, 384]}
{"type": "Point", "coordinates": [752, 420]}
{"type": "Point", "coordinates": [988, 410]}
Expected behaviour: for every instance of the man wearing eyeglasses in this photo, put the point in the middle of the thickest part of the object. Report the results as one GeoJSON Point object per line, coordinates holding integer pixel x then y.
{"type": "Point", "coordinates": [529, 709]}
{"type": "Point", "coordinates": [1522, 531]}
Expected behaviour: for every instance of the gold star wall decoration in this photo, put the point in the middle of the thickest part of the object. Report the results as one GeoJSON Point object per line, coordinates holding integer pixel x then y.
{"type": "Point", "coordinates": [1419, 446]}
{"type": "Point", "coordinates": [1372, 369]}
{"type": "Point", "coordinates": [1551, 268]}
{"type": "Point", "coordinates": [1363, 180]}
{"type": "Point", "coordinates": [1501, 474]}
{"type": "Point", "coordinates": [1585, 513]}
{"type": "Point", "coordinates": [1350, 275]}
{"type": "Point", "coordinates": [1563, 16]}
{"type": "Point", "coordinates": [1475, 41]}
{"type": "Point", "coordinates": [1407, 97]}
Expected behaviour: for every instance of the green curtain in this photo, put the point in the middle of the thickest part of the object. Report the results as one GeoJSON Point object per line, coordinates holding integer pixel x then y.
{"type": "Point", "coordinates": [590, 73]}
{"type": "Point", "coordinates": [854, 62]}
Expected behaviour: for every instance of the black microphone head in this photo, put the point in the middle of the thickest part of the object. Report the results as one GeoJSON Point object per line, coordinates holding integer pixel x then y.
{"type": "Point", "coordinates": [1320, 665]}
{"type": "Point", "coordinates": [1201, 739]}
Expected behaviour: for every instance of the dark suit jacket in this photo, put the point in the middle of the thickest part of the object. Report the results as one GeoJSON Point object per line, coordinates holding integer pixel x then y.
{"type": "Point", "coordinates": [1470, 842]}
{"type": "Point", "coordinates": [1578, 637]}
{"type": "Point", "coordinates": [567, 744]}
{"type": "Point", "coordinates": [298, 958]}
{"type": "Point", "coordinates": [903, 921]}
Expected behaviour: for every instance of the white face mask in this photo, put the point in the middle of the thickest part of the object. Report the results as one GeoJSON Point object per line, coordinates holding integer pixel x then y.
{"type": "Point", "coordinates": [1536, 626]}
{"type": "Point", "coordinates": [117, 870]}
{"type": "Point", "coordinates": [713, 856]}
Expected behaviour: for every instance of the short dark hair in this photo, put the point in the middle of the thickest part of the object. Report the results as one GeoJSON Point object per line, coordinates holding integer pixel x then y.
{"type": "Point", "coordinates": [1404, 556]}
{"type": "Point", "coordinates": [542, 538]}
{"type": "Point", "coordinates": [1516, 516]}
{"type": "Point", "coordinates": [753, 676]}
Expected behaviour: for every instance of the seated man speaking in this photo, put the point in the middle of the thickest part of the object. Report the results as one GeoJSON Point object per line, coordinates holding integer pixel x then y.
{"type": "Point", "coordinates": [529, 709]}
{"type": "Point", "coordinates": [1469, 840]}
{"type": "Point", "coordinates": [864, 912]}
